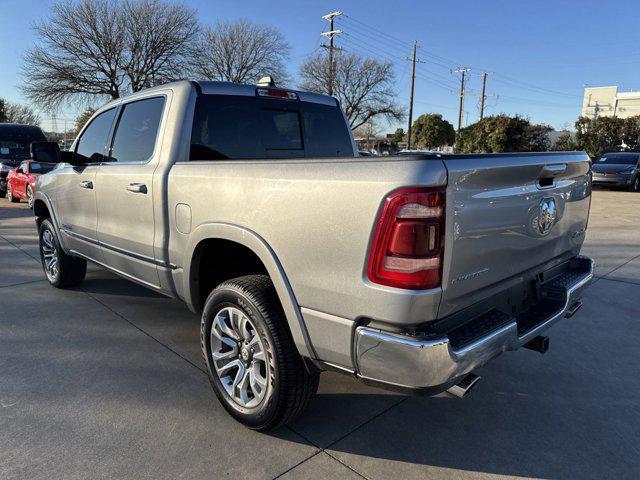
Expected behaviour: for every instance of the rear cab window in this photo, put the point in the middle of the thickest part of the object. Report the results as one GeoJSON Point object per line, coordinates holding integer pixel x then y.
{"type": "Point", "coordinates": [231, 127]}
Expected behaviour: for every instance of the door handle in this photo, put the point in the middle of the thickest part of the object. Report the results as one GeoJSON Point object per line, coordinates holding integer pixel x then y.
{"type": "Point", "coordinates": [87, 184]}
{"type": "Point", "coordinates": [137, 188]}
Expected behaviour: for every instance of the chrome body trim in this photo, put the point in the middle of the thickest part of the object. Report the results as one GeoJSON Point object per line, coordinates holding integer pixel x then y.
{"type": "Point", "coordinates": [122, 251]}
{"type": "Point", "coordinates": [419, 363]}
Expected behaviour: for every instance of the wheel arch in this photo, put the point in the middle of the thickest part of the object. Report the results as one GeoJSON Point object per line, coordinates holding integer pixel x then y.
{"type": "Point", "coordinates": [211, 232]}
{"type": "Point", "coordinates": [42, 208]}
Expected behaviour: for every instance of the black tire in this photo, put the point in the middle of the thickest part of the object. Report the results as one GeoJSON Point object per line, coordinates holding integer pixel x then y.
{"type": "Point", "coordinates": [30, 198]}
{"type": "Point", "coordinates": [290, 385]}
{"type": "Point", "coordinates": [10, 196]}
{"type": "Point", "coordinates": [70, 270]}
{"type": "Point", "coordinates": [3, 193]}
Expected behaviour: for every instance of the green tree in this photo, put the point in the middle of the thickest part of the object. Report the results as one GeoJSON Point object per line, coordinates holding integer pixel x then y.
{"type": "Point", "coordinates": [3, 112]}
{"type": "Point", "coordinates": [631, 133]}
{"type": "Point", "coordinates": [84, 118]}
{"type": "Point", "coordinates": [564, 143]}
{"type": "Point", "coordinates": [599, 135]}
{"type": "Point", "coordinates": [502, 133]}
{"type": "Point", "coordinates": [398, 136]}
{"type": "Point", "coordinates": [431, 130]}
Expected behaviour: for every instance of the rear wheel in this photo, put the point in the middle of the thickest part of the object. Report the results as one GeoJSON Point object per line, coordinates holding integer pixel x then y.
{"type": "Point", "coordinates": [30, 198]}
{"type": "Point", "coordinates": [254, 367]}
{"type": "Point", "coordinates": [62, 270]}
{"type": "Point", "coordinates": [10, 196]}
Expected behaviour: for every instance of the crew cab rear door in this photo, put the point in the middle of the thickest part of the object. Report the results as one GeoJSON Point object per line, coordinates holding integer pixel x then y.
{"type": "Point", "coordinates": [124, 189]}
{"type": "Point", "coordinates": [507, 214]}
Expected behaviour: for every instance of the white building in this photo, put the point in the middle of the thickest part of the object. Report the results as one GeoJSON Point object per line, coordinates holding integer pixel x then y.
{"type": "Point", "coordinates": [609, 102]}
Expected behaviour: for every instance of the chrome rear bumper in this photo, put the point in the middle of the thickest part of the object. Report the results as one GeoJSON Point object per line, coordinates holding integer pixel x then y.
{"type": "Point", "coordinates": [431, 365]}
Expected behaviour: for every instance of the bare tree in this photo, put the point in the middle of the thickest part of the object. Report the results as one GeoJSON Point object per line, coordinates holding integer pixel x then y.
{"type": "Point", "coordinates": [240, 52]}
{"type": "Point", "coordinates": [79, 54]}
{"type": "Point", "coordinates": [156, 36]}
{"type": "Point", "coordinates": [105, 48]}
{"type": "Point", "coordinates": [364, 86]}
{"type": "Point", "coordinates": [15, 113]}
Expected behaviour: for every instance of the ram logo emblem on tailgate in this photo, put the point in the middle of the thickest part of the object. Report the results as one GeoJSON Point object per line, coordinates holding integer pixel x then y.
{"type": "Point", "coordinates": [547, 215]}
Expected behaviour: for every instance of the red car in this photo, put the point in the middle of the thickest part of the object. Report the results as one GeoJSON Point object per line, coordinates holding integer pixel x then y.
{"type": "Point", "coordinates": [22, 179]}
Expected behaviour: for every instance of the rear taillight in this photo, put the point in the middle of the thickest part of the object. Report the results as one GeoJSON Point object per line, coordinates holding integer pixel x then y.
{"type": "Point", "coordinates": [409, 240]}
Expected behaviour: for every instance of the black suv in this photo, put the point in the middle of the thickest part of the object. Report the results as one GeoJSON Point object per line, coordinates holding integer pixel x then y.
{"type": "Point", "coordinates": [15, 143]}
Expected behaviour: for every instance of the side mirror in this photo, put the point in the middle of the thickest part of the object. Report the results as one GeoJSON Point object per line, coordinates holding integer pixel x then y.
{"type": "Point", "coordinates": [47, 152]}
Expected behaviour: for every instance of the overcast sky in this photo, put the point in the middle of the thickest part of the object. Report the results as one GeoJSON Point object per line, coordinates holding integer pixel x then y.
{"type": "Point", "coordinates": [541, 53]}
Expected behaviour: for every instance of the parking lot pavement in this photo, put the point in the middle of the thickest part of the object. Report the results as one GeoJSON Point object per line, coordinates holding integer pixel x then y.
{"type": "Point", "coordinates": [107, 381]}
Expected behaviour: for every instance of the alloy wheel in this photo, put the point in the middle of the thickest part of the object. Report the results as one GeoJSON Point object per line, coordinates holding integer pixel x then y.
{"type": "Point", "coordinates": [239, 357]}
{"type": "Point", "coordinates": [30, 197]}
{"type": "Point", "coordinates": [49, 254]}
{"type": "Point", "coordinates": [9, 195]}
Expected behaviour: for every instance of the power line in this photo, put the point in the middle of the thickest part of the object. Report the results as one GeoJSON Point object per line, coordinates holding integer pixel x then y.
{"type": "Point", "coordinates": [369, 50]}
{"type": "Point", "coordinates": [381, 33]}
{"type": "Point", "coordinates": [367, 30]}
{"type": "Point", "coordinates": [376, 49]}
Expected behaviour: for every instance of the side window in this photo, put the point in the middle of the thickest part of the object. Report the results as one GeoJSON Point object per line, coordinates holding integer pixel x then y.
{"type": "Point", "coordinates": [137, 129]}
{"type": "Point", "coordinates": [93, 141]}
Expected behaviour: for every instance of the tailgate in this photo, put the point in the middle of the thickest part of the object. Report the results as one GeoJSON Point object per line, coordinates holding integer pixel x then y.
{"type": "Point", "coordinates": [508, 214]}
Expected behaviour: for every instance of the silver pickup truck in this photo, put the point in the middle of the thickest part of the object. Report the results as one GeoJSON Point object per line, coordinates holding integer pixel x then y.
{"type": "Point", "coordinates": [251, 205]}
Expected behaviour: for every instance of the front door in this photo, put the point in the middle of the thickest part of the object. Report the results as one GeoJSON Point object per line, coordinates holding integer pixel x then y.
{"type": "Point", "coordinates": [125, 194]}
{"type": "Point", "coordinates": [76, 189]}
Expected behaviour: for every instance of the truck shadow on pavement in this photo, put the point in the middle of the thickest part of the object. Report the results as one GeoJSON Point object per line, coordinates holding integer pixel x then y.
{"type": "Point", "coordinates": [552, 416]}
{"type": "Point", "coordinates": [516, 428]}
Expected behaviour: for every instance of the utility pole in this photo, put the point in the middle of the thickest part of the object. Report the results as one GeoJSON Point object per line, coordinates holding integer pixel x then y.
{"type": "Point", "coordinates": [462, 71]}
{"type": "Point", "coordinates": [413, 79]}
{"type": "Point", "coordinates": [331, 33]}
{"type": "Point", "coordinates": [482, 98]}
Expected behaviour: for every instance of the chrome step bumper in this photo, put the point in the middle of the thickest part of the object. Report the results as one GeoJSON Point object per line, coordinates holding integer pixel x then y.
{"type": "Point", "coordinates": [431, 365]}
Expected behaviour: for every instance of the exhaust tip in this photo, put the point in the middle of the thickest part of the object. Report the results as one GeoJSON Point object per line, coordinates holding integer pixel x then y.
{"type": "Point", "coordinates": [464, 387]}
{"type": "Point", "coordinates": [539, 344]}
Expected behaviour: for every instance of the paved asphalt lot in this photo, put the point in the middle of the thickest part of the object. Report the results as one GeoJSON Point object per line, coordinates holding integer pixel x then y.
{"type": "Point", "coordinates": [107, 381]}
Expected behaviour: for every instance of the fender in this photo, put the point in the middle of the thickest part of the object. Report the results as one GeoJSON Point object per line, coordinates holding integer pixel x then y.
{"type": "Point", "coordinates": [41, 196]}
{"type": "Point", "coordinates": [267, 256]}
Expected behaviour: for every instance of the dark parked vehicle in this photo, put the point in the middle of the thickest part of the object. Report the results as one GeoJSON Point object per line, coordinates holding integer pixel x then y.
{"type": "Point", "coordinates": [619, 169]}
{"type": "Point", "coordinates": [15, 144]}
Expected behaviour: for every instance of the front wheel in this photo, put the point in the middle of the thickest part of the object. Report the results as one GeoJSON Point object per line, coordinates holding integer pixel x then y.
{"type": "Point", "coordinates": [62, 270]}
{"type": "Point", "coordinates": [254, 367]}
{"type": "Point", "coordinates": [10, 195]}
